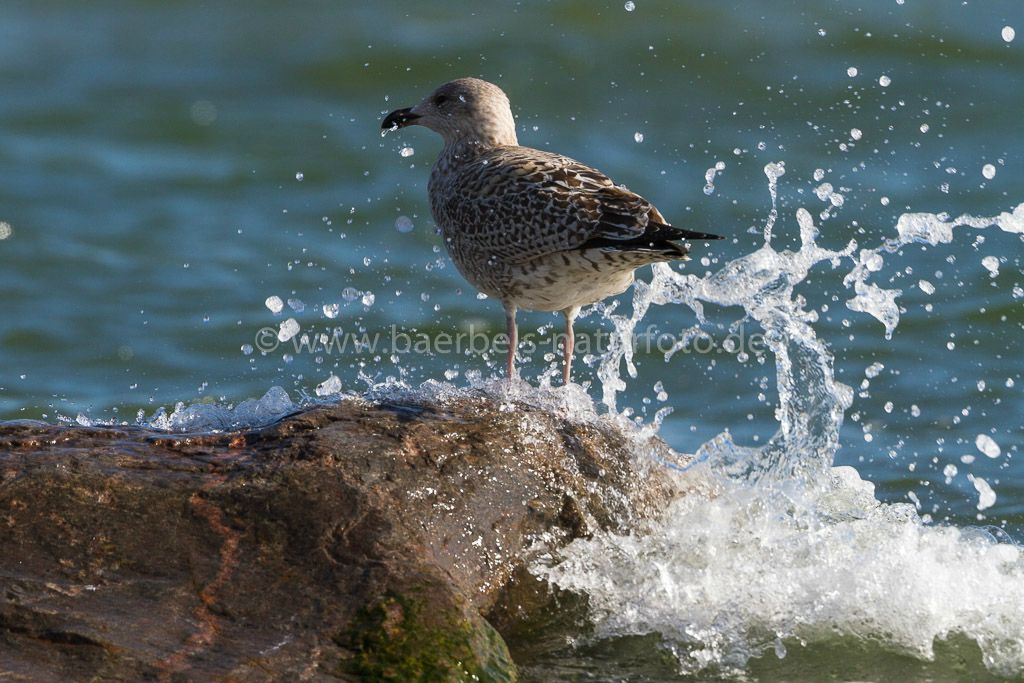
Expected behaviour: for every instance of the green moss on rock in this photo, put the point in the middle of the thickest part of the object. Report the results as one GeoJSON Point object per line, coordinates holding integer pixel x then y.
{"type": "Point", "coordinates": [400, 638]}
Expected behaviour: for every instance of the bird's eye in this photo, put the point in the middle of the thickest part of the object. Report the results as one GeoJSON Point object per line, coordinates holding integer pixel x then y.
{"type": "Point", "coordinates": [440, 99]}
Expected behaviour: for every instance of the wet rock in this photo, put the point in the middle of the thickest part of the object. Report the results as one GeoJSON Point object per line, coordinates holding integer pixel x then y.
{"type": "Point", "coordinates": [366, 540]}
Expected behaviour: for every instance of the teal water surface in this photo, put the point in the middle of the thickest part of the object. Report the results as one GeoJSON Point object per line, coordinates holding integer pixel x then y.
{"type": "Point", "coordinates": [165, 168]}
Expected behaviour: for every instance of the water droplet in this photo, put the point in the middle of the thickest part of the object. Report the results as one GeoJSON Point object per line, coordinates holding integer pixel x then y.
{"type": "Point", "coordinates": [1008, 34]}
{"type": "Point", "coordinates": [884, 81]}
{"type": "Point", "coordinates": [991, 264]}
{"type": "Point", "coordinates": [986, 496]}
{"type": "Point", "coordinates": [331, 385]}
{"type": "Point", "coordinates": [5, 230]}
{"type": "Point", "coordinates": [638, 136]}
{"type": "Point", "coordinates": [884, 201]}
{"type": "Point", "coordinates": [289, 328]}
{"type": "Point", "coordinates": [925, 127]}
{"type": "Point", "coordinates": [926, 287]}
{"type": "Point", "coordinates": [350, 294]}
{"type": "Point", "coordinates": [404, 224]}
{"type": "Point", "coordinates": [300, 176]}
{"type": "Point", "coordinates": [368, 299]}
{"type": "Point", "coordinates": [247, 349]}
{"type": "Point", "coordinates": [275, 304]}
{"type": "Point", "coordinates": [851, 72]}
{"type": "Point", "coordinates": [989, 171]}
{"type": "Point", "coordinates": [629, 6]}
{"type": "Point", "coordinates": [407, 151]}
{"type": "Point", "coordinates": [856, 133]}
{"type": "Point", "coordinates": [709, 177]}
{"type": "Point", "coordinates": [331, 310]}
{"type": "Point", "coordinates": [296, 305]}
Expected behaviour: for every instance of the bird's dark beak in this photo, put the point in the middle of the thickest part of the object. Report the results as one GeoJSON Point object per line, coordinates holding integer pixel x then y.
{"type": "Point", "coordinates": [400, 118]}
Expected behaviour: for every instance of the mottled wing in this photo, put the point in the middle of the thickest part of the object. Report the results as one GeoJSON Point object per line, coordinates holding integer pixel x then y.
{"type": "Point", "coordinates": [518, 204]}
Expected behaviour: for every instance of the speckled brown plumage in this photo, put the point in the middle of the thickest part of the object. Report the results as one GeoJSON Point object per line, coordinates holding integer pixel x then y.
{"type": "Point", "coordinates": [533, 229]}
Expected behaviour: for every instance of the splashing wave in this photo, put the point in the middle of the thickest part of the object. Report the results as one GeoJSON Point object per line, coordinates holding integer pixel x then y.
{"type": "Point", "coordinates": [775, 543]}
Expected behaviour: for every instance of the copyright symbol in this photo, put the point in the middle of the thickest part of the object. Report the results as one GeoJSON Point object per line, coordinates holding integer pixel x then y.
{"type": "Point", "coordinates": [266, 340]}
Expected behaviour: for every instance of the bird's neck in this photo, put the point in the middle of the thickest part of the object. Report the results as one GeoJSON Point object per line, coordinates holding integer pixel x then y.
{"type": "Point", "coordinates": [462, 152]}
{"type": "Point", "coordinates": [463, 148]}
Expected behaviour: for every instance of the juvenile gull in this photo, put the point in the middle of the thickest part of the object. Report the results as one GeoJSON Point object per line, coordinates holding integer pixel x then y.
{"type": "Point", "coordinates": [533, 229]}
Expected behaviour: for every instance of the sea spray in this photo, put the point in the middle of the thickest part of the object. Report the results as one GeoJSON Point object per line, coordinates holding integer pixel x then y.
{"type": "Point", "coordinates": [745, 571]}
{"type": "Point", "coordinates": [783, 546]}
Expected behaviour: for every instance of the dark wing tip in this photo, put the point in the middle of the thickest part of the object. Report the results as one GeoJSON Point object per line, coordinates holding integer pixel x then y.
{"type": "Point", "coordinates": [638, 245]}
{"type": "Point", "coordinates": [663, 232]}
{"type": "Point", "coordinates": [684, 234]}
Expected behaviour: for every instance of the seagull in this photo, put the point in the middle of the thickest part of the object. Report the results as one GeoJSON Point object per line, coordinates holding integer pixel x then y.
{"type": "Point", "coordinates": [533, 229]}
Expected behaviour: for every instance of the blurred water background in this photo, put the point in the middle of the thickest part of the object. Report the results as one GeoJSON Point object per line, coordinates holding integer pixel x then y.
{"type": "Point", "coordinates": [165, 168]}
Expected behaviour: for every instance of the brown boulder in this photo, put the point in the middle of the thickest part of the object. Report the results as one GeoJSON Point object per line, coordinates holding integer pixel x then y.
{"type": "Point", "coordinates": [365, 540]}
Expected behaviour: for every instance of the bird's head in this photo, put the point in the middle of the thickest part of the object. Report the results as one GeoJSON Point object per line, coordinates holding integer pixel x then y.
{"type": "Point", "coordinates": [466, 110]}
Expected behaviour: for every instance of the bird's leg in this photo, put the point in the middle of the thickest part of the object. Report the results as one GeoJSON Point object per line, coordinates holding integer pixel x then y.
{"type": "Point", "coordinates": [513, 339]}
{"type": "Point", "coordinates": [569, 344]}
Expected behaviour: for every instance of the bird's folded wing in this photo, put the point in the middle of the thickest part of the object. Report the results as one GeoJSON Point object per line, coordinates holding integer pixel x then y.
{"type": "Point", "coordinates": [519, 204]}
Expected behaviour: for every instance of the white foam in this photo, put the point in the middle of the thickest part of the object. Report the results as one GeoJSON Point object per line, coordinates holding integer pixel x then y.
{"type": "Point", "coordinates": [728, 576]}
{"type": "Point", "coordinates": [774, 542]}
{"type": "Point", "coordinates": [216, 417]}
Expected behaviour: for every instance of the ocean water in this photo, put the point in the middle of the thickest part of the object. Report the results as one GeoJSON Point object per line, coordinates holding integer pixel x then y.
{"type": "Point", "coordinates": [178, 183]}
